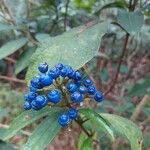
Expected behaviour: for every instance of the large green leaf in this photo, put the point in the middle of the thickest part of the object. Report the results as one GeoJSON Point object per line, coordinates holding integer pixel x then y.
{"type": "Point", "coordinates": [140, 88]}
{"type": "Point", "coordinates": [82, 138]}
{"type": "Point", "coordinates": [44, 133]}
{"type": "Point", "coordinates": [74, 48]}
{"type": "Point", "coordinates": [26, 118]}
{"type": "Point", "coordinates": [130, 21]}
{"type": "Point", "coordinates": [11, 47]}
{"type": "Point", "coordinates": [24, 60]}
{"type": "Point", "coordinates": [87, 144]}
{"type": "Point", "coordinates": [126, 128]}
{"type": "Point", "coordinates": [97, 120]}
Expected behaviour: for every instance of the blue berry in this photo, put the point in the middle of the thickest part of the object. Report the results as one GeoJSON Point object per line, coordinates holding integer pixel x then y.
{"type": "Point", "coordinates": [54, 96]}
{"type": "Point", "coordinates": [32, 89]}
{"type": "Point", "coordinates": [32, 95]}
{"type": "Point", "coordinates": [82, 89]}
{"type": "Point", "coordinates": [54, 73]}
{"type": "Point", "coordinates": [41, 100]}
{"type": "Point", "coordinates": [43, 67]}
{"type": "Point", "coordinates": [26, 98]}
{"type": "Point", "coordinates": [91, 90]}
{"type": "Point", "coordinates": [99, 96]}
{"type": "Point", "coordinates": [71, 73]}
{"type": "Point", "coordinates": [76, 97]}
{"type": "Point", "coordinates": [73, 113]}
{"type": "Point", "coordinates": [78, 83]}
{"type": "Point", "coordinates": [87, 82]}
{"type": "Point", "coordinates": [64, 72]}
{"type": "Point", "coordinates": [71, 87]}
{"type": "Point", "coordinates": [46, 80]}
{"type": "Point", "coordinates": [35, 106]}
{"type": "Point", "coordinates": [77, 76]}
{"type": "Point", "coordinates": [27, 105]}
{"type": "Point", "coordinates": [59, 66]}
{"type": "Point", "coordinates": [35, 82]}
{"type": "Point", "coordinates": [63, 120]}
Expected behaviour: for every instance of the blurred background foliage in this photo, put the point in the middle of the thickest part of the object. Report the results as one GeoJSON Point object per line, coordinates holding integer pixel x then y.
{"type": "Point", "coordinates": [25, 23]}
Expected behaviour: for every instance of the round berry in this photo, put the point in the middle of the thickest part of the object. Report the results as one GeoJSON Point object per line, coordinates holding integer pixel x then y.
{"type": "Point", "coordinates": [78, 83]}
{"type": "Point", "coordinates": [87, 82]}
{"type": "Point", "coordinates": [72, 113]}
{"type": "Point", "coordinates": [43, 67]}
{"type": "Point", "coordinates": [71, 87]}
{"type": "Point", "coordinates": [35, 106]}
{"type": "Point", "coordinates": [27, 105]}
{"type": "Point", "coordinates": [32, 95]}
{"type": "Point", "coordinates": [35, 82]}
{"type": "Point", "coordinates": [32, 89]}
{"type": "Point", "coordinates": [76, 97]}
{"type": "Point", "coordinates": [54, 73]}
{"type": "Point", "coordinates": [46, 80]}
{"type": "Point", "coordinates": [54, 96]}
{"type": "Point", "coordinates": [91, 90]}
{"type": "Point", "coordinates": [77, 75]}
{"type": "Point", "coordinates": [64, 72]}
{"type": "Point", "coordinates": [59, 66]}
{"type": "Point", "coordinates": [63, 120]}
{"type": "Point", "coordinates": [99, 96]}
{"type": "Point", "coordinates": [41, 100]}
{"type": "Point", "coordinates": [82, 89]}
{"type": "Point", "coordinates": [71, 73]}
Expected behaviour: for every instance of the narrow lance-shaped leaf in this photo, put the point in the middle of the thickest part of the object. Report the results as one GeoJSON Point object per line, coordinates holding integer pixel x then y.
{"type": "Point", "coordinates": [125, 128]}
{"type": "Point", "coordinates": [26, 118]}
{"type": "Point", "coordinates": [12, 46]}
{"type": "Point", "coordinates": [74, 48]}
{"type": "Point", "coordinates": [97, 120]}
{"type": "Point", "coordinates": [44, 133]}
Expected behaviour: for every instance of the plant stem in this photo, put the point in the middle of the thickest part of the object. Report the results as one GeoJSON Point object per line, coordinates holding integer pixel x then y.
{"type": "Point", "coordinates": [118, 68]}
{"type": "Point", "coordinates": [140, 107]}
{"type": "Point", "coordinates": [66, 13]}
{"type": "Point", "coordinates": [12, 79]}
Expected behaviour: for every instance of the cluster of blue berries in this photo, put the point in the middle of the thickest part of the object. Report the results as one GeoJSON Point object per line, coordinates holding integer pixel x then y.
{"type": "Point", "coordinates": [69, 88]}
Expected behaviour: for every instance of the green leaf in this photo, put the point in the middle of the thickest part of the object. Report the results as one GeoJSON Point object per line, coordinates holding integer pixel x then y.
{"type": "Point", "coordinates": [27, 118]}
{"type": "Point", "coordinates": [125, 128]}
{"type": "Point", "coordinates": [87, 144]}
{"type": "Point", "coordinates": [74, 48]}
{"type": "Point", "coordinates": [11, 47]}
{"type": "Point", "coordinates": [43, 38]}
{"type": "Point", "coordinates": [130, 21]}
{"type": "Point", "coordinates": [4, 26]}
{"type": "Point", "coordinates": [44, 133]}
{"type": "Point", "coordinates": [82, 138]}
{"type": "Point", "coordinates": [98, 120]}
{"type": "Point", "coordinates": [140, 88]}
{"type": "Point", "coordinates": [24, 60]}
